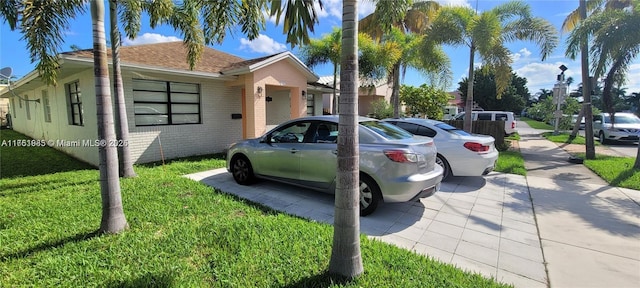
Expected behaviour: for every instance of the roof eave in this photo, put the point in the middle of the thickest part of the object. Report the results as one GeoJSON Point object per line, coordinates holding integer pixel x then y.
{"type": "Point", "coordinates": [311, 77]}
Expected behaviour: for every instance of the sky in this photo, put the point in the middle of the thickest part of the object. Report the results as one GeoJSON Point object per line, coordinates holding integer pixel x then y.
{"type": "Point", "coordinates": [526, 56]}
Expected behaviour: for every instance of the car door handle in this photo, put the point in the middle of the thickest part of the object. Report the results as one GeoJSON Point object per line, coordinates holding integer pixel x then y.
{"type": "Point", "coordinates": [293, 150]}
{"type": "Point", "coordinates": [335, 152]}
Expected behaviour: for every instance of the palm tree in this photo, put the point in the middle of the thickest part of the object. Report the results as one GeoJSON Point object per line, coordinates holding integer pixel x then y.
{"type": "Point", "coordinates": [122, 131]}
{"type": "Point", "coordinates": [346, 259]}
{"type": "Point", "coordinates": [486, 33]}
{"type": "Point", "coordinates": [327, 49]}
{"type": "Point", "coordinates": [113, 218]}
{"type": "Point", "coordinates": [570, 23]}
{"type": "Point", "coordinates": [405, 24]}
{"type": "Point", "coordinates": [615, 44]}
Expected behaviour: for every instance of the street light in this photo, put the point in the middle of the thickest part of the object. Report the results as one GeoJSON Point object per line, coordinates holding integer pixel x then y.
{"type": "Point", "coordinates": [559, 92]}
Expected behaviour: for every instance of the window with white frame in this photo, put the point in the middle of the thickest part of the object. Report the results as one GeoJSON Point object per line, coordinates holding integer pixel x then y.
{"type": "Point", "coordinates": [46, 107]}
{"type": "Point", "coordinates": [27, 109]}
{"type": "Point", "coordinates": [311, 105]}
{"type": "Point", "coordinates": [166, 103]}
{"type": "Point", "coordinates": [75, 103]}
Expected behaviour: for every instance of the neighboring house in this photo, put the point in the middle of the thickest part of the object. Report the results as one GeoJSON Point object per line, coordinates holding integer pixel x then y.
{"type": "Point", "coordinates": [367, 94]}
{"type": "Point", "coordinates": [173, 111]}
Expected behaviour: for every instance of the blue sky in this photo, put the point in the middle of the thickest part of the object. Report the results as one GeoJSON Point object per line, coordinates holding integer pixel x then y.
{"type": "Point", "coordinates": [527, 62]}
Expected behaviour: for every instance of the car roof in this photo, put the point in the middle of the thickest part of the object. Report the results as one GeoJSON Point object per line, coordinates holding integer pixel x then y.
{"type": "Point", "coordinates": [332, 118]}
{"type": "Point", "coordinates": [415, 120]}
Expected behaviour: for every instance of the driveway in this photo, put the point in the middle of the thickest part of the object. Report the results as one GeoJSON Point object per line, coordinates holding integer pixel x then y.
{"type": "Point", "coordinates": [479, 224]}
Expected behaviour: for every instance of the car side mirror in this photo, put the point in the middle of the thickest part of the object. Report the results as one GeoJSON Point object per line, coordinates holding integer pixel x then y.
{"type": "Point", "coordinates": [266, 139]}
{"type": "Point", "coordinates": [597, 121]}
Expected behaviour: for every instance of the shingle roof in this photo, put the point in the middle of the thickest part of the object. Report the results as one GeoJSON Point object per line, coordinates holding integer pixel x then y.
{"type": "Point", "coordinates": [172, 55]}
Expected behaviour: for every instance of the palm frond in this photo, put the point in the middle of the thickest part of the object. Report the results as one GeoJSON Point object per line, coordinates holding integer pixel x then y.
{"type": "Point", "coordinates": [538, 30]}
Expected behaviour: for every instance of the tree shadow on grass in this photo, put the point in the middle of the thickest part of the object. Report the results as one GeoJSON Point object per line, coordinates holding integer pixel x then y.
{"type": "Point", "coordinates": [146, 280]}
{"type": "Point", "coordinates": [324, 279]}
{"type": "Point", "coordinates": [50, 245]}
{"type": "Point", "coordinates": [626, 174]}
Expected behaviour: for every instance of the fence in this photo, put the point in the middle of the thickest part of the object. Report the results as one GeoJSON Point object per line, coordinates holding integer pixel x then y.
{"type": "Point", "coordinates": [486, 127]}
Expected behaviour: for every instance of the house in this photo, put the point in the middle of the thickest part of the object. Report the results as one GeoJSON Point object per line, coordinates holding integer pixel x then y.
{"type": "Point", "coordinates": [172, 111]}
{"type": "Point", "coordinates": [368, 93]}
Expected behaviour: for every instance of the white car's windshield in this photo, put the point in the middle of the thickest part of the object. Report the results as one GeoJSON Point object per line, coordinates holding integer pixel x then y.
{"type": "Point", "coordinates": [623, 119]}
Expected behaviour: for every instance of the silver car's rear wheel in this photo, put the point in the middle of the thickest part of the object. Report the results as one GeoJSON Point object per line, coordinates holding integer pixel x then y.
{"type": "Point", "coordinates": [242, 170]}
{"type": "Point", "coordinates": [603, 140]}
{"type": "Point", "coordinates": [369, 195]}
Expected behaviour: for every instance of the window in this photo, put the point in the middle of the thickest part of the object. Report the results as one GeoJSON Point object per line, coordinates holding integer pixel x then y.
{"type": "Point", "coordinates": [75, 103]}
{"type": "Point", "coordinates": [166, 103]}
{"type": "Point", "coordinates": [484, 116]}
{"type": "Point", "coordinates": [294, 133]}
{"type": "Point", "coordinates": [502, 117]}
{"type": "Point", "coordinates": [326, 132]}
{"type": "Point", "coordinates": [310, 105]}
{"type": "Point", "coordinates": [26, 103]}
{"type": "Point", "coordinates": [46, 106]}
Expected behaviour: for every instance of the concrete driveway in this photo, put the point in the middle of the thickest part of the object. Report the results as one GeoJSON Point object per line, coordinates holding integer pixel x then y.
{"type": "Point", "coordinates": [479, 224]}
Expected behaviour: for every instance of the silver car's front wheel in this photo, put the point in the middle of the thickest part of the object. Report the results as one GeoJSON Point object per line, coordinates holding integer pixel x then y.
{"type": "Point", "coordinates": [242, 170]}
{"type": "Point", "coordinates": [369, 195]}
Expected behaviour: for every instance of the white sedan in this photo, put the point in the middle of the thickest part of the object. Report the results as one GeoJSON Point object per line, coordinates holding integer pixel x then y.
{"type": "Point", "coordinates": [459, 153]}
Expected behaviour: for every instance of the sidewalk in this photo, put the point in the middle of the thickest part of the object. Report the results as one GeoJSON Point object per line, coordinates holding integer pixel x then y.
{"type": "Point", "coordinates": [589, 231]}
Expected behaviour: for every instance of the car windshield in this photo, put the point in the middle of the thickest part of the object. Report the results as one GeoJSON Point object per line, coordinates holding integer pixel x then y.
{"type": "Point", "coordinates": [451, 129]}
{"type": "Point", "coordinates": [387, 130]}
{"type": "Point", "coordinates": [623, 119]}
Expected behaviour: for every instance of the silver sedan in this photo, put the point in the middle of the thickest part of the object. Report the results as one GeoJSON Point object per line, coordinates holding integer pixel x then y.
{"type": "Point", "coordinates": [395, 166]}
{"type": "Point", "coordinates": [459, 153]}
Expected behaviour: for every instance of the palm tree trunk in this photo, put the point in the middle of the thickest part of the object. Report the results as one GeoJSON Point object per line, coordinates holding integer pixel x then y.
{"type": "Point", "coordinates": [590, 150]}
{"type": "Point", "coordinates": [113, 218]}
{"type": "Point", "coordinates": [468, 107]}
{"type": "Point", "coordinates": [346, 259]}
{"type": "Point", "coordinates": [334, 106]}
{"type": "Point", "coordinates": [395, 92]}
{"type": "Point", "coordinates": [126, 163]}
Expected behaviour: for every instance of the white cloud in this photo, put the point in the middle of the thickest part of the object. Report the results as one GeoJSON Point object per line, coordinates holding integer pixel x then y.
{"type": "Point", "coordinates": [149, 38]}
{"type": "Point", "coordinates": [263, 44]}
{"type": "Point", "coordinates": [523, 54]}
{"type": "Point", "coordinates": [633, 78]}
{"type": "Point", "coordinates": [543, 75]}
{"type": "Point", "coordinates": [454, 2]}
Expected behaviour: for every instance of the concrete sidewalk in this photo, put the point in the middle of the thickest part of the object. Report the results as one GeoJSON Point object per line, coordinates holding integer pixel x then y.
{"type": "Point", "coordinates": [561, 226]}
{"type": "Point", "coordinates": [589, 231]}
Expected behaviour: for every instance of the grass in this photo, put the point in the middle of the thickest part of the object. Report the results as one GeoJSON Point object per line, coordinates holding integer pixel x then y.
{"type": "Point", "coordinates": [536, 124]}
{"type": "Point", "coordinates": [23, 160]}
{"type": "Point", "coordinates": [510, 162]}
{"type": "Point", "coordinates": [617, 171]}
{"type": "Point", "coordinates": [564, 138]}
{"type": "Point", "coordinates": [182, 233]}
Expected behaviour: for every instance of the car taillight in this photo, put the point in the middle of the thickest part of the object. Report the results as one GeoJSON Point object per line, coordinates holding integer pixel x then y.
{"type": "Point", "coordinates": [476, 147]}
{"type": "Point", "coordinates": [401, 156]}
{"type": "Point", "coordinates": [513, 124]}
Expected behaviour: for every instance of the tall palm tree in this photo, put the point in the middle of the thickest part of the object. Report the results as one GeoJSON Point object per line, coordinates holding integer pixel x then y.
{"type": "Point", "coordinates": [586, 8]}
{"type": "Point", "coordinates": [487, 33]}
{"type": "Point", "coordinates": [406, 24]}
{"type": "Point", "coordinates": [615, 44]}
{"type": "Point", "coordinates": [346, 259]}
{"type": "Point", "coordinates": [113, 218]}
{"type": "Point", "coordinates": [122, 127]}
{"type": "Point", "coordinates": [320, 51]}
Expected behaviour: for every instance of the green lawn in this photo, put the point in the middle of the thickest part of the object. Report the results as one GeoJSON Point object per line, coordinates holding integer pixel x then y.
{"type": "Point", "coordinates": [510, 162]}
{"type": "Point", "coordinates": [617, 171]}
{"type": "Point", "coordinates": [536, 124]}
{"type": "Point", "coordinates": [182, 233]}
{"type": "Point", "coordinates": [564, 138]}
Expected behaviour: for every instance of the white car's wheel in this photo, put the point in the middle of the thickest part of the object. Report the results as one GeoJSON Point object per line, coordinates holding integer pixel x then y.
{"type": "Point", "coordinates": [445, 166]}
{"type": "Point", "coordinates": [601, 138]}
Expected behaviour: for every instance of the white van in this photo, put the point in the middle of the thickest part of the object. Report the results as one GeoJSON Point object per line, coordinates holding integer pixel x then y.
{"type": "Point", "coordinates": [510, 120]}
{"type": "Point", "coordinates": [450, 112]}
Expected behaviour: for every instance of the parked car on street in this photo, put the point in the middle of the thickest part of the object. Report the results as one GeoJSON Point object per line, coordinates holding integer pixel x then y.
{"type": "Point", "coordinates": [459, 153]}
{"type": "Point", "coordinates": [395, 166]}
{"type": "Point", "coordinates": [508, 118]}
{"type": "Point", "coordinates": [625, 129]}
